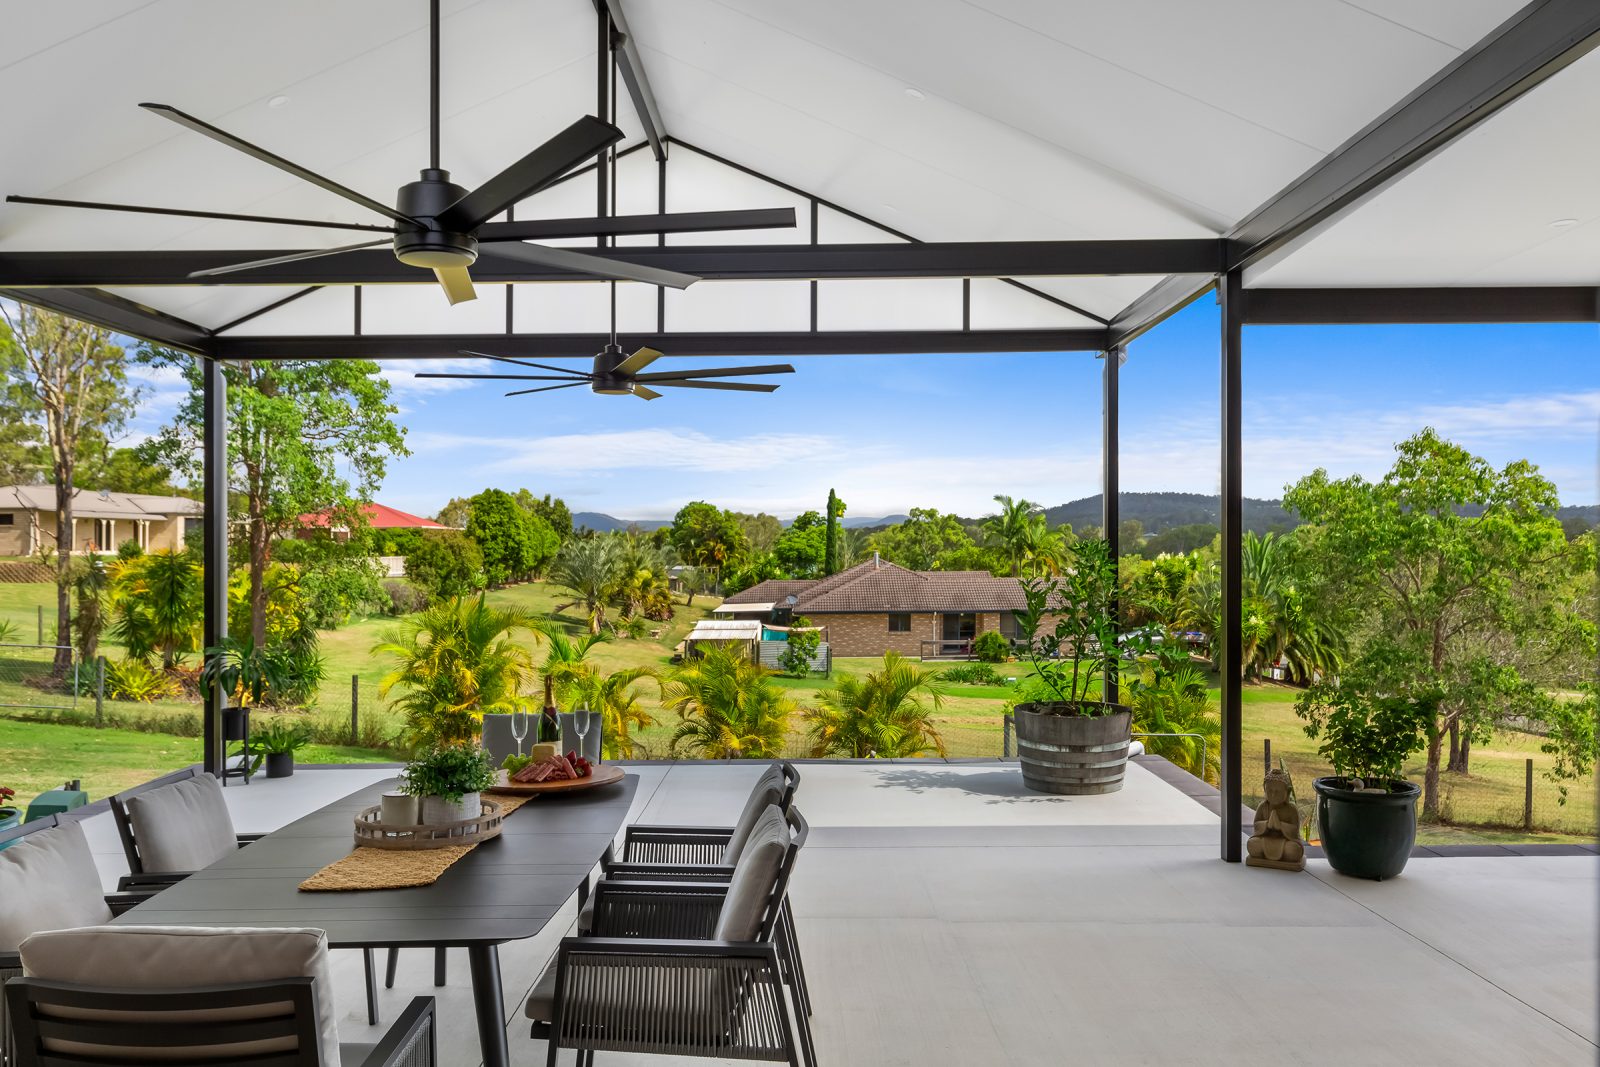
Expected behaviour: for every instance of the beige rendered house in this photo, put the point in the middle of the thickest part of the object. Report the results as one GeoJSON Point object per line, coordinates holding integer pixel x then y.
{"type": "Point", "coordinates": [101, 520]}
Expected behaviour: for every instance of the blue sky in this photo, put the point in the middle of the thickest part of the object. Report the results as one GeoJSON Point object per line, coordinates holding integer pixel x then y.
{"type": "Point", "coordinates": [949, 431]}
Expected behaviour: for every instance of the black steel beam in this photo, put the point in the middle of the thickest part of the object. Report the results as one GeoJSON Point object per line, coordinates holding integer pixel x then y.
{"type": "Point", "coordinates": [214, 545]}
{"type": "Point", "coordinates": [1166, 299]}
{"type": "Point", "coordinates": [1110, 496]}
{"type": "Point", "coordinates": [631, 66]}
{"type": "Point", "coordinates": [983, 259]}
{"type": "Point", "coordinates": [118, 314]}
{"type": "Point", "coordinates": [1230, 634]}
{"type": "Point", "coordinates": [778, 218]}
{"type": "Point", "coordinates": [1539, 41]}
{"type": "Point", "coordinates": [1297, 307]}
{"type": "Point", "coordinates": [585, 345]}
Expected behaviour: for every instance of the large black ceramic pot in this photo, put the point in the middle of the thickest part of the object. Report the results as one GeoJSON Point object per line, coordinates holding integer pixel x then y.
{"type": "Point", "coordinates": [1063, 752]}
{"type": "Point", "coordinates": [1366, 835]}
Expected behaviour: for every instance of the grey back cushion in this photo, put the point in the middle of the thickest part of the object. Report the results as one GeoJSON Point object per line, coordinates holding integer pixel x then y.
{"type": "Point", "coordinates": [498, 740]}
{"type": "Point", "coordinates": [48, 881]}
{"type": "Point", "coordinates": [139, 958]}
{"type": "Point", "coordinates": [769, 790]}
{"type": "Point", "coordinates": [590, 749]}
{"type": "Point", "coordinates": [753, 877]}
{"type": "Point", "coordinates": [184, 826]}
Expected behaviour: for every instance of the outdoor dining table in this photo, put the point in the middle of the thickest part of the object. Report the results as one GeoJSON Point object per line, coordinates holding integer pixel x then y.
{"type": "Point", "coordinates": [506, 889]}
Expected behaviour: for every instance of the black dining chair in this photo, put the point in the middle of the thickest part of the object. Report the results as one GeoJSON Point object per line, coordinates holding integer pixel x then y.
{"type": "Point", "coordinates": [168, 995]}
{"type": "Point", "coordinates": [175, 826]}
{"type": "Point", "coordinates": [682, 968]}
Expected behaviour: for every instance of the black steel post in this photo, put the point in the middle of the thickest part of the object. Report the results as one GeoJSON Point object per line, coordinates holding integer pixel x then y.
{"type": "Point", "coordinates": [603, 62]}
{"type": "Point", "coordinates": [433, 84]}
{"type": "Point", "coordinates": [1230, 289]}
{"type": "Point", "coordinates": [214, 625]}
{"type": "Point", "coordinates": [1110, 492]}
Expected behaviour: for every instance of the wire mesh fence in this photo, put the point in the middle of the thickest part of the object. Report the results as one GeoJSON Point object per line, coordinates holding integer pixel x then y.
{"type": "Point", "coordinates": [1501, 791]}
{"type": "Point", "coordinates": [38, 676]}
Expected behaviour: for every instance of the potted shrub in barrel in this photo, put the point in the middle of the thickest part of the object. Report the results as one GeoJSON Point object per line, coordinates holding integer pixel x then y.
{"type": "Point", "coordinates": [278, 741]}
{"type": "Point", "coordinates": [447, 780]}
{"type": "Point", "coordinates": [1069, 739]}
{"type": "Point", "coordinates": [1366, 810]}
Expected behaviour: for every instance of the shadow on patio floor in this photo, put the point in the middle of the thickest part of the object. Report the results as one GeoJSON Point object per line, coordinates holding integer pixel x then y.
{"type": "Point", "coordinates": [999, 786]}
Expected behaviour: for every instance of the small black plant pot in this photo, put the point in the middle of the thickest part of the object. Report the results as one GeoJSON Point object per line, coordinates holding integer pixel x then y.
{"type": "Point", "coordinates": [280, 764]}
{"type": "Point", "coordinates": [1366, 835]}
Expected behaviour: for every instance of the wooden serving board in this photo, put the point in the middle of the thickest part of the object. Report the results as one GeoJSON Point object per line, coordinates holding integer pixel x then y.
{"type": "Point", "coordinates": [605, 774]}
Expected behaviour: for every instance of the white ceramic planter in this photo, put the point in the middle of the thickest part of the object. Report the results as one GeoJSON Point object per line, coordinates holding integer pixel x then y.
{"type": "Point", "coordinates": [438, 810]}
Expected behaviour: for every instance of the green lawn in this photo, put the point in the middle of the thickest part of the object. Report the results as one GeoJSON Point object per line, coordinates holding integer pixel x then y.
{"type": "Point", "coordinates": [970, 722]}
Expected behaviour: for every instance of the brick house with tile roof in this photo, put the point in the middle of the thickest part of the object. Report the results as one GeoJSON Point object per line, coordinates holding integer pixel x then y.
{"type": "Point", "coordinates": [878, 606]}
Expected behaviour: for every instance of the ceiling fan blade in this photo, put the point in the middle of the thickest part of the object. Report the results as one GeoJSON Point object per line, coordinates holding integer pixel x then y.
{"type": "Point", "coordinates": [583, 140]}
{"type": "Point", "coordinates": [525, 363]}
{"type": "Point", "coordinates": [622, 225]}
{"type": "Point", "coordinates": [292, 257]}
{"type": "Point", "coordinates": [743, 387]}
{"type": "Point", "coordinates": [456, 283]}
{"type": "Point", "coordinates": [644, 392]}
{"type": "Point", "coordinates": [504, 377]}
{"type": "Point", "coordinates": [583, 263]}
{"type": "Point", "coordinates": [637, 362]}
{"type": "Point", "coordinates": [255, 151]}
{"type": "Point", "coordinates": [721, 372]}
{"type": "Point", "coordinates": [545, 389]}
{"type": "Point", "coordinates": [183, 213]}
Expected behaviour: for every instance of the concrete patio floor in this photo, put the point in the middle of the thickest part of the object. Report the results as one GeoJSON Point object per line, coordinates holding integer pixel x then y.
{"type": "Point", "coordinates": [949, 917]}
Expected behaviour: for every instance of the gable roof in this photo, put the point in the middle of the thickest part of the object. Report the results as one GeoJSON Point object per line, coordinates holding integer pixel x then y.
{"type": "Point", "coordinates": [98, 504]}
{"type": "Point", "coordinates": [880, 586]}
{"type": "Point", "coordinates": [379, 517]}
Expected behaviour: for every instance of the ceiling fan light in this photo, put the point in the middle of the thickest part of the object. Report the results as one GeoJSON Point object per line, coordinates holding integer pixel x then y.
{"type": "Point", "coordinates": [436, 258]}
{"type": "Point", "coordinates": [613, 388]}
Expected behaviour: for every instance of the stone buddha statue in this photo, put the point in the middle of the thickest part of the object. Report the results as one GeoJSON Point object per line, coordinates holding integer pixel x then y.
{"type": "Point", "coordinates": [1276, 842]}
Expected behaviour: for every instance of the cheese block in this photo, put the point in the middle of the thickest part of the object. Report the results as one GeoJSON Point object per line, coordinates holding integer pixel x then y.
{"type": "Point", "coordinates": [544, 750]}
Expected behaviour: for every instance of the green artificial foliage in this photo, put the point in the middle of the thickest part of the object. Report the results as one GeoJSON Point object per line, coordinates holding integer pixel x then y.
{"type": "Point", "coordinates": [449, 771]}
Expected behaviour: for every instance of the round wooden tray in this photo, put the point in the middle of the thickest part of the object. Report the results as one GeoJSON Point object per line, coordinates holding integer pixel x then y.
{"type": "Point", "coordinates": [371, 832]}
{"type": "Point", "coordinates": [605, 774]}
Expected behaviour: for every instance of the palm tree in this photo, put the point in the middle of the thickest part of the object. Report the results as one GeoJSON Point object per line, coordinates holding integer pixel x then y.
{"type": "Point", "coordinates": [1176, 703]}
{"type": "Point", "coordinates": [566, 661]}
{"type": "Point", "coordinates": [727, 708]}
{"type": "Point", "coordinates": [589, 568]}
{"type": "Point", "coordinates": [156, 601]}
{"type": "Point", "coordinates": [457, 660]}
{"type": "Point", "coordinates": [888, 714]}
{"type": "Point", "coordinates": [1011, 530]}
{"type": "Point", "coordinates": [616, 697]}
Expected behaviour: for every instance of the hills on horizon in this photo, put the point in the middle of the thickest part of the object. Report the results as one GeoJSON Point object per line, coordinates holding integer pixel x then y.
{"type": "Point", "coordinates": [1156, 512]}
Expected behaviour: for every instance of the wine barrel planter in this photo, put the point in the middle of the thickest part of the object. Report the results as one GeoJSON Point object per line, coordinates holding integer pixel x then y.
{"type": "Point", "coordinates": [1366, 835]}
{"type": "Point", "coordinates": [1072, 754]}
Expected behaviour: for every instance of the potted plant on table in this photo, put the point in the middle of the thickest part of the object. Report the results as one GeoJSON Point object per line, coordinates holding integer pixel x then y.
{"type": "Point", "coordinates": [278, 741]}
{"type": "Point", "coordinates": [1366, 810]}
{"type": "Point", "coordinates": [448, 780]}
{"type": "Point", "coordinates": [1069, 739]}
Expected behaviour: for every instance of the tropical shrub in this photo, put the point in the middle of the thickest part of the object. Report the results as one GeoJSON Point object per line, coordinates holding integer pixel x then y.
{"type": "Point", "coordinates": [445, 564]}
{"type": "Point", "coordinates": [727, 707]}
{"type": "Point", "coordinates": [800, 648]}
{"type": "Point", "coordinates": [453, 662]}
{"type": "Point", "coordinates": [245, 671]}
{"type": "Point", "coordinates": [1176, 701]}
{"type": "Point", "coordinates": [971, 674]}
{"type": "Point", "coordinates": [991, 646]}
{"type": "Point", "coordinates": [155, 604]}
{"type": "Point", "coordinates": [887, 714]}
{"type": "Point", "coordinates": [134, 679]}
{"type": "Point", "coordinates": [404, 598]}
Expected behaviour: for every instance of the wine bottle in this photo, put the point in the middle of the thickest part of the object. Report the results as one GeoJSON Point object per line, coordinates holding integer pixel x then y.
{"type": "Point", "coordinates": [549, 725]}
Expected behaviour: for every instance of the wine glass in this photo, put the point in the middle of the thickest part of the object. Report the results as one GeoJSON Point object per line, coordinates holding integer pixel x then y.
{"type": "Point", "coordinates": [519, 726]}
{"type": "Point", "coordinates": [580, 725]}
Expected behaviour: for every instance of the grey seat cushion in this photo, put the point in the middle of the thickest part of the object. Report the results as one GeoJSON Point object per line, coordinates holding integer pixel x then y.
{"type": "Point", "coordinates": [354, 1055]}
{"type": "Point", "coordinates": [767, 792]}
{"type": "Point", "coordinates": [184, 826]}
{"type": "Point", "coordinates": [754, 877]}
{"type": "Point", "coordinates": [48, 881]}
{"type": "Point", "coordinates": [166, 957]}
{"type": "Point", "coordinates": [498, 740]}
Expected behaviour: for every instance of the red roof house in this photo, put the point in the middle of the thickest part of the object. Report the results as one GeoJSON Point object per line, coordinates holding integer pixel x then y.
{"type": "Point", "coordinates": [379, 517]}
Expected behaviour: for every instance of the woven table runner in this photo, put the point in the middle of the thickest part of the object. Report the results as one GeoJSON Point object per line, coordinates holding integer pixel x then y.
{"type": "Point", "coordinates": [384, 868]}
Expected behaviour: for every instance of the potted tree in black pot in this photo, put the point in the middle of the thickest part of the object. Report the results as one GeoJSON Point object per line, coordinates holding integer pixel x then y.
{"type": "Point", "coordinates": [245, 673]}
{"type": "Point", "coordinates": [1366, 810]}
{"type": "Point", "coordinates": [1069, 738]}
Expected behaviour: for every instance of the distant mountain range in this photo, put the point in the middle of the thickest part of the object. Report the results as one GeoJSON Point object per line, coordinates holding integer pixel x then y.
{"type": "Point", "coordinates": [1156, 511]}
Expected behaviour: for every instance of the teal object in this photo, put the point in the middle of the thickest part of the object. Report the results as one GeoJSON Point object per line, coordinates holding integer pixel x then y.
{"type": "Point", "coordinates": [56, 802]}
{"type": "Point", "coordinates": [7, 822]}
{"type": "Point", "coordinates": [774, 635]}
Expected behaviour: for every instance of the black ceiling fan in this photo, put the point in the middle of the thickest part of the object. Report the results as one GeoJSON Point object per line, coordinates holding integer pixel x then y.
{"type": "Point", "coordinates": [618, 374]}
{"type": "Point", "coordinates": [438, 225]}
